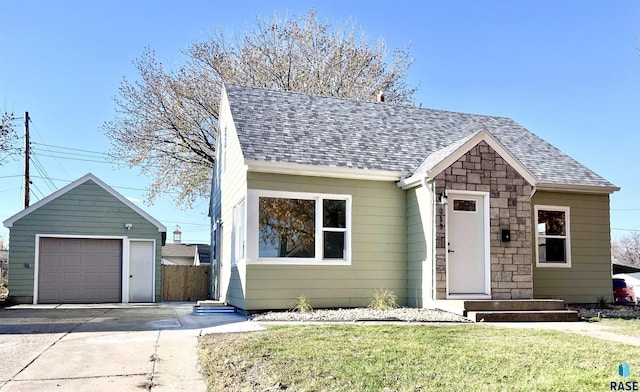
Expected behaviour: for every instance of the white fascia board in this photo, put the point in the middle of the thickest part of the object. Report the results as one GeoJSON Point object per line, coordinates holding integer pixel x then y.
{"type": "Point", "coordinates": [482, 135]}
{"type": "Point", "coordinates": [321, 171]}
{"type": "Point", "coordinates": [87, 177]}
{"type": "Point", "coordinates": [550, 187]}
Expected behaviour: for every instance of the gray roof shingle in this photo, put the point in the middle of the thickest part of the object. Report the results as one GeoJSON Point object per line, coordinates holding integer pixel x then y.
{"type": "Point", "coordinates": [291, 127]}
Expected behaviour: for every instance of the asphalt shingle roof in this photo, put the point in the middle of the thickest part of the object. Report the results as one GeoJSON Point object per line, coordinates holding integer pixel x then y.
{"type": "Point", "coordinates": [279, 126]}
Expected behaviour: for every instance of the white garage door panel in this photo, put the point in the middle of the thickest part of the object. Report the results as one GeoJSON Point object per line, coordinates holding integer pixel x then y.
{"type": "Point", "coordinates": [79, 270]}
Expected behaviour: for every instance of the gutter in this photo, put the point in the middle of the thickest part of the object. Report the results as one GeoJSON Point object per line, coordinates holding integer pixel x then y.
{"type": "Point", "coordinates": [576, 188]}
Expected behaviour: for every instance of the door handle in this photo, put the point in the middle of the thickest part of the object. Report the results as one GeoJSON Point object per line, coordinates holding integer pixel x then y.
{"type": "Point", "coordinates": [451, 251]}
{"type": "Point", "coordinates": [131, 276]}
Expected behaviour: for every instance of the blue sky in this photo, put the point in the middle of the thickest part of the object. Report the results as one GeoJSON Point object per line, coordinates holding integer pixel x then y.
{"type": "Point", "coordinates": [569, 71]}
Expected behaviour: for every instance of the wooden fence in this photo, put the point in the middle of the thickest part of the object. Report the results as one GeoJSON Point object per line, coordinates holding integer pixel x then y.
{"type": "Point", "coordinates": [185, 282]}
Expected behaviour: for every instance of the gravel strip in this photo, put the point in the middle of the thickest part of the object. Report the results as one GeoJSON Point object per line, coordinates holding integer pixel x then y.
{"type": "Point", "coordinates": [363, 314]}
{"type": "Point", "coordinates": [614, 311]}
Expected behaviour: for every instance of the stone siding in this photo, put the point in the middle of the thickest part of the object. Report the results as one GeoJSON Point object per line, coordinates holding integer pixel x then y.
{"type": "Point", "coordinates": [483, 169]}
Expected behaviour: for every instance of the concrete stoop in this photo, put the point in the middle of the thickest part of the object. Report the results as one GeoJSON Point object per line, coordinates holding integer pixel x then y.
{"type": "Point", "coordinates": [528, 310]}
{"type": "Point", "coordinates": [212, 307]}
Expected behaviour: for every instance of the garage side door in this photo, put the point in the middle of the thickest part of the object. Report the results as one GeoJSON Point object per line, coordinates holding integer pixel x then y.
{"type": "Point", "coordinates": [79, 270]}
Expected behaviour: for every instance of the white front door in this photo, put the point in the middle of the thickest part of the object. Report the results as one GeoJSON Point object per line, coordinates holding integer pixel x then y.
{"type": "Point", "coordinates": [141, 271]}
{"type": "Point", "coordinates": [468, 268]}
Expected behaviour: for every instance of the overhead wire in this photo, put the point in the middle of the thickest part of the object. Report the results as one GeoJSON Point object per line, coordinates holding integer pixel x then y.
{"type": "Point", "coordinates": [35, 187]}
{"type": "Point", "coordinates": [35, 127]}
{"type": "Point", "coordinates": [43, 172]}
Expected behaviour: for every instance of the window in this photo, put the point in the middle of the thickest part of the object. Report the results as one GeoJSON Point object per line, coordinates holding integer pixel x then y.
{"type": "Point", "coordinates": [552, 236]}
{"type": "Point", "coordinates": [287, 227]}
{"type": "Point", "coordinates": [238, 235]}
{"type": "Point", "coordinates": [464, 205]}
{"type": "Point", "coordinates": [299, 228]}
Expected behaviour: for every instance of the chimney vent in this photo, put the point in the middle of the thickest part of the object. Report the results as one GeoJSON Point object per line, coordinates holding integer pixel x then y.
{"type": "Point", "coordinates": [380, 97]}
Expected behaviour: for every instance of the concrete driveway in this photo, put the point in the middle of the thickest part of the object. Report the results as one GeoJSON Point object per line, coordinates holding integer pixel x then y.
{"type": "Point", "coordinates": [105, 347]}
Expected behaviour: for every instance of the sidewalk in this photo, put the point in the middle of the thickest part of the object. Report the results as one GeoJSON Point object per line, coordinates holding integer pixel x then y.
{"type": "Point", "coordinates": [119, 348]}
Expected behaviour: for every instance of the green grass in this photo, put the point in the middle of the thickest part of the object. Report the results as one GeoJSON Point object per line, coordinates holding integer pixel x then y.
{"type": "Point", "coordinates": [410, 358]}
{"type": "Point", "coordinates": [629, 327]}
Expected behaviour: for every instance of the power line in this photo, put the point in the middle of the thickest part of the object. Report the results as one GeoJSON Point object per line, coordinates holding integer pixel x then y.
{"type": "Point", "coordinates": [70, 148]}
{"type": "Point", "coordinates": [112, 186]}
{"type": "Point", "coordinates": [56, 161]}
{"type": "Point", "coordinates": [12, 189]}
{"type": "Point", "coordinates": [78, 159]}
{"type": "Point", "coordinates": [40, 168]}
{"type": "Point", "coordinates": [614, 228]}
{"type": "Point", "coordinates": [35, 188]}
{"type": "Point", "coordinates": [97, 156]}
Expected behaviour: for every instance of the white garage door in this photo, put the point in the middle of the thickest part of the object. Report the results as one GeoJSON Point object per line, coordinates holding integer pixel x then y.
{"type": "Point", "coordinates": [79, 270]}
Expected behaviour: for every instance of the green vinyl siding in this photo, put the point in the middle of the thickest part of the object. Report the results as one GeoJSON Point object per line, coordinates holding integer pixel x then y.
{"type": "Point", "coordinates": [87, 210]}
{"type": "Point", "coordinates": [378, 252]}
{"type": "Point", "coordinates": [590, 274]}
{"type": "Point", "coordinates": [233, 188]}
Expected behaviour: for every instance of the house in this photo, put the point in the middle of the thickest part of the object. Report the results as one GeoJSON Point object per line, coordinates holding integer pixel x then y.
{"type": "Point", "coordinates": [178, 253]}
{"type": "Point", "coordinates": [624, 267]}
{"type": "Point", "coordinates": [84, 243]}
{"type": "Point", "coordinates": [334, 198]}
{"type": "Point", "coordinates": [185, 254]}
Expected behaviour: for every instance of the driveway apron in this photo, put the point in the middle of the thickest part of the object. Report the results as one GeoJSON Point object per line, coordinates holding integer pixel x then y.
{"type": "Point", "coordinates": [103, 348]}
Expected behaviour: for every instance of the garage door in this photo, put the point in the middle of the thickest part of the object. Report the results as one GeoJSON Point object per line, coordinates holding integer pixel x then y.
{"type": "Point", "coordinates": [79, 270]}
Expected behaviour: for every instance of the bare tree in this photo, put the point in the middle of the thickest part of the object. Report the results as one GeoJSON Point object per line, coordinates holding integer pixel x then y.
{"type": "Point", "coordinates": [8, 136]}
{"type": "Point", "coordinates": [627, 248]}
{"type": "Point", "coordinates": [166, 122]}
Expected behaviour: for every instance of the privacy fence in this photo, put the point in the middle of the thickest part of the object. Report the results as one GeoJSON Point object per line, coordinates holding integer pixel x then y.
{"type": "Point", "coordinates": [185, 282]}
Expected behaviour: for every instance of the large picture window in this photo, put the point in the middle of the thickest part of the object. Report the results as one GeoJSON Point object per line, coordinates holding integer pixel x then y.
{"type": "Point", "coordinates": [287, 227]}
{"type": "Point", "coordinates": [300, 227]}
{"type": "Point", "coordinates": [553, 248]}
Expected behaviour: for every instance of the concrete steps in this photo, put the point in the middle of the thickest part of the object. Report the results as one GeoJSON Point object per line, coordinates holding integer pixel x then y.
{"type": "Point", "coordinates": [524, 316]}
{"type": "Point", "coordinates": [521, 310]}
{"type": "Point", "coordinates": [212, 307]}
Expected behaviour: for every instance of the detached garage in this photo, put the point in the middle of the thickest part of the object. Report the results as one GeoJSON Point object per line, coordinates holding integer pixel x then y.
{"type": "Point", "coordinates": [85, 243]}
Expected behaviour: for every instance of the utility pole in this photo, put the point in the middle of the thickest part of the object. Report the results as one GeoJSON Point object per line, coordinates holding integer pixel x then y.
{"type": "Point", "coordinates": [27, 179]}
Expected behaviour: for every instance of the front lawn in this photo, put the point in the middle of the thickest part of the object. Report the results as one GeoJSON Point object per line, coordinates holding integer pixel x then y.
{"type": "Point", "coordinates": [629, 327]}
{"type": "Point", "coordinates": [410, 358]}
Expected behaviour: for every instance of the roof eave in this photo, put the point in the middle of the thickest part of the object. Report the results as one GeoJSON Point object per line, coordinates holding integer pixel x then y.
{"type": "Point", "coordinates": [322, 171]}
{"type": "Point", "coordinates": [8, 223]}
{"type": "Point", "coordinates": [552, 187]}
{"type": "Point", "coordinates": [481, 135]}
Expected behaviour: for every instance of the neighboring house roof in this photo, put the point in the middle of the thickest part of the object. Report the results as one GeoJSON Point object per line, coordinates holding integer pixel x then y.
{"type": "Point", "coordinates": [187, 250]}
{"type": "Point", "coordinates": [204, 253]}
{"type": "Point", "coordinates": [624, 267]}
{"type": "Point", "coordinates": [295, 128]}
{"type": "Point", "coordinates": [179, 250]}
{"type": "Point", "coordinates": [193, 254]}
{"type": "Point", "coordinates": [88, 177]}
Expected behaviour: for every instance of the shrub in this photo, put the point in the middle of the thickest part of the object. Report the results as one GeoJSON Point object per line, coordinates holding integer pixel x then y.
{"type": "Point", "coordinates": [302, 305]}
{"type": "Point", "coordinates": [602, 302]}
{"type": "Point", "coordinates": [383, 299]}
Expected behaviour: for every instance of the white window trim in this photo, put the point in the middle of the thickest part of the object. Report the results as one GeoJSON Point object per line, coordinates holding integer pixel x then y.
{"type": "Point", "coordinates": [567, 238]}
{"type": "Point", "coordinates": [252, 237]}
{"type": "Point", "coordinates": [239, 232]}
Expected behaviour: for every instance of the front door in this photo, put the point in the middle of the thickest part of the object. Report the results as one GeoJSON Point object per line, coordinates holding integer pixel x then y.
{"type": "Point", "coordinates": [141, 271]}
{"type": "Point", "coordinates": [468, 269]}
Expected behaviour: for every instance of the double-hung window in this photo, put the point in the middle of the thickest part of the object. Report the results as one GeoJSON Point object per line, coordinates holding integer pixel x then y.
{"type": "Point", "coordinates": [298, 228]}
{"type": "Point", "coordinates": [553, 247]}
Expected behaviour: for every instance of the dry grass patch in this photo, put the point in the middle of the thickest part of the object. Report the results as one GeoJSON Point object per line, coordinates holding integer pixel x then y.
{"type": "Point", "coordinates": [409, 358]}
